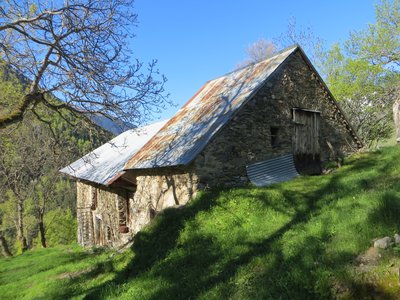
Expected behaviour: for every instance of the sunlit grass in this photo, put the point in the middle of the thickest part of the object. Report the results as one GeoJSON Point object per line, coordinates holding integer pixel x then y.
{"type": "Point", "coordinates": [296, 240]}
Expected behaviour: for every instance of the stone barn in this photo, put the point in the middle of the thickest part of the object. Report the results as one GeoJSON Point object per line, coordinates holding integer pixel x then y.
{"type": "Point", "coordinates": [277, 107]}
{"type": "Point", "coordinates": [103, 197]}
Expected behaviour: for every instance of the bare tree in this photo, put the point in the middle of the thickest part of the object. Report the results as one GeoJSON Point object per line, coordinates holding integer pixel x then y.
{"type": "Point", "coordinates": [77, 51]}
{"type": "Point", "coordinates": [258, 51]}
{"type": "Point", "coordinates": [312, 44]}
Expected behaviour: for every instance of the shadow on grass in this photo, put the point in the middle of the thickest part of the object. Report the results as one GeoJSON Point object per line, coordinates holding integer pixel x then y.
{"type": "Point", "coordinates": [387, 211]}
{"type": "Point", "coordinates": [201, 266]}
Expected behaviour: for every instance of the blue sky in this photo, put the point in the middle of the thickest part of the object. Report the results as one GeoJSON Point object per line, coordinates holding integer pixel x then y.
{"type": "Point", "coordinates": [195, 41]}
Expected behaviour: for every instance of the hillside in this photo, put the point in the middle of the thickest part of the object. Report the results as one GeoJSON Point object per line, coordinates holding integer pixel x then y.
{"type": "Point", "coordinates": [305, 239]}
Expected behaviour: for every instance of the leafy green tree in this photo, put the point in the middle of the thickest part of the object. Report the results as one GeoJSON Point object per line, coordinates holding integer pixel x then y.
{"type": "Point", "coordinates": [379, 44]}
{"type": "Point", "coordinates": [365, 92]}
{"type": "Point", "coordinates": [61, 226]}
{"type": "Point", "coordinates": [363, 74]}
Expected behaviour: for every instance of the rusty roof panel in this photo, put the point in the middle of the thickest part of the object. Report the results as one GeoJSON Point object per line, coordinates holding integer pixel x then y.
{"type": "Point", "coordinates": [187, 133]}
{"type": "Point", "coordinates": [103, 164]}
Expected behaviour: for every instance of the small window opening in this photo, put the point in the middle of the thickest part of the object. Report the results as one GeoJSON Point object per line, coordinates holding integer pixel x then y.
{"type": "Point", "coordinates": [274, 136]}
{"type": "Point", "coordinates": [123, 212]}
{"type": "Point", "coordinates": [152, 213]}
{"type": "Point", "coordinates": [93, 203]}
{"type": "Point", "coordinates": [109, 233]}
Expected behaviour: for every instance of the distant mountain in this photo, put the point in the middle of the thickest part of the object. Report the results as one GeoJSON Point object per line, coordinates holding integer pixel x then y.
{"type": "Point", "coordinates": [115, 127]}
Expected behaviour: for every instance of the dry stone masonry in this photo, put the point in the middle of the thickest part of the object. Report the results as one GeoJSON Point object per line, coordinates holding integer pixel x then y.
{"type": "Point", "coordinates": [292, 112]}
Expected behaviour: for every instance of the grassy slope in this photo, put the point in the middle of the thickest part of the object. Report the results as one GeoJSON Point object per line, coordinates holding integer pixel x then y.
{"type": "Point", "coordinates": [295, 240]}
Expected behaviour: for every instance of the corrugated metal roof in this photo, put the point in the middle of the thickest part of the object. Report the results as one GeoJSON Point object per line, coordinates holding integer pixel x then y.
{"type": "Point", "coordinates": [188, 132]}
{"type": "Point", "coordinates": [104, 163]}
{"type": "Point", "coordinates": [272, 171]}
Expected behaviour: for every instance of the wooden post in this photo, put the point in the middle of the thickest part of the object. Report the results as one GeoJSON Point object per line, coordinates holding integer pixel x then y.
{"type": "Point", "coordinates": [396, 117]}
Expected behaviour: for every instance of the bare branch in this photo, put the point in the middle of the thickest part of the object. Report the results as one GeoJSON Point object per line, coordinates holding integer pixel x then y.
{"type": "Point", "coordinates": [77, 51]}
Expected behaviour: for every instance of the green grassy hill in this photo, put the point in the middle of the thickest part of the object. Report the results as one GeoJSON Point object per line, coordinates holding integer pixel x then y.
{"type": "Point", "coordinates": [305, 239]}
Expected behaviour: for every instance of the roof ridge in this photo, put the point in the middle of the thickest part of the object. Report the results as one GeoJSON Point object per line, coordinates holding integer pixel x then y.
{"type": "Point", "coordinates": [292, 47]}
{"type": "Point", "coordinates": [192, 127]}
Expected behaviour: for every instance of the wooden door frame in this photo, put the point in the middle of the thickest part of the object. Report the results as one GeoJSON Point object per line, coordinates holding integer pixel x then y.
{"type": "Point", "coordinates": [306, 163]}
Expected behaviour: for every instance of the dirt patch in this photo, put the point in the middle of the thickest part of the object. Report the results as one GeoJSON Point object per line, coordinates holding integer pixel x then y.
{"type": "Point", "coordinates": [368, 258]}
{"type": "Point", "coordinates": [70, 275]}
{"type": "Point", "coordinates": [374, 274]}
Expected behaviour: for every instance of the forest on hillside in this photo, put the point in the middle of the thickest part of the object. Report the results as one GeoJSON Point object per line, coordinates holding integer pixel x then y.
{"type": "Point", "coordinates": [37, 204]}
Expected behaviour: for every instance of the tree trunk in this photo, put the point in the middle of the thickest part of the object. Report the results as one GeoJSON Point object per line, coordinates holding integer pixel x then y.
{"type": "Point", "coordinates": [20, 229]}
{"type": "Point", "coordinates": [4, 247]}
{"type": "Point", "coordinates": [41, 228]}
{"type": "Point", "coordinates": [396, 116]}
{"type": "Point", "coordinates": [17, 114]}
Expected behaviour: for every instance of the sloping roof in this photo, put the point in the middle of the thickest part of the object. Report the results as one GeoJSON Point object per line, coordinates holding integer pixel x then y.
{"type": "Point", "coordinates": [187, 133]}
{"type": "Point", "coordinates": [104, 163]}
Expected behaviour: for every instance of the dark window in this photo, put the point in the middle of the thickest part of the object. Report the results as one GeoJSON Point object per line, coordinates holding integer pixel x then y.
{"type": "Point", "coordinates": [152, 213]}
{"type": "Point", "coordinates": [274, 136]}
{"type": "Point", "coordinates": [109, 233]}
{"type": "Point", "coordinates": [123, 209]}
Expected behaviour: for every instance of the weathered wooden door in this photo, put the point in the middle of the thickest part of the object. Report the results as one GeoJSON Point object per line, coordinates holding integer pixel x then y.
{"type": "Point", "coordinates": [307, 156]}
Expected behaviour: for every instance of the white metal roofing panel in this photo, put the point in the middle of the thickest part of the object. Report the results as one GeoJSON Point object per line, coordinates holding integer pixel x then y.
{"type": "Point", "coordinates": [103, 163]}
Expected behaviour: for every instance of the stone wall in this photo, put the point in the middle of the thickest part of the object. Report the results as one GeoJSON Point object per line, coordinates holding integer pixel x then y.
{"type": "Point", "coordinates": [157, 190]}
{"type": "Point", "coordinates": [247, 138]}
{"type": "Point", "coordinates": [98, 215]}
{"type": "Point", "coordinates": [99, 208]}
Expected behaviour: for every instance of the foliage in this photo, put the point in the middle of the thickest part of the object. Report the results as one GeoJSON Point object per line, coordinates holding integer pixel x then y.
{"type": "Point", "coordinates": [379, 44]}
{"type": "Point", "coordinates": [61, 227]}
{"type": "Point", "coordinates": [295, 240]}
{"type": "Point", "coordinates": [365, 92]}
{"type": "Point", "coordinates": [30, 156]}
{"type": "Point", "coordinates": [363, 74]}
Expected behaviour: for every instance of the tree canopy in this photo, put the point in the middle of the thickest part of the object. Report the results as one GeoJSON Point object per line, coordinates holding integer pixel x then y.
{"type": "Point", "coordinates": [363, 73]}
{"type": "Point", "coordinates": [77, 51]}
{"type": "Point", "coordinates": [37, 204]}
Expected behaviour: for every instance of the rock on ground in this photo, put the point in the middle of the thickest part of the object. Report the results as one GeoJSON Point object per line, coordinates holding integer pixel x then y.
{"type": "Point", "coordinates": [383, 243]}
